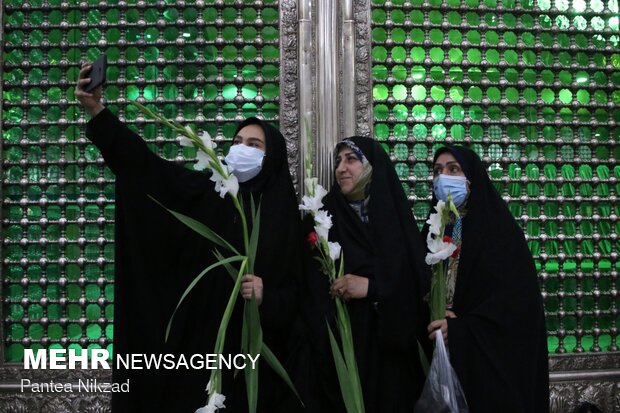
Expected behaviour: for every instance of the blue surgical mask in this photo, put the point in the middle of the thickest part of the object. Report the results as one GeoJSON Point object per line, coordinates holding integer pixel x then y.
{"type": "Point", "coordinates": [450, 184]}
{"type": "Point", "coordinates": [246, 162]}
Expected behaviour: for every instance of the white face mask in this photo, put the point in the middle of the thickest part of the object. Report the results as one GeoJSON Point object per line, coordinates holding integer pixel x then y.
{"type": "Point", "coordinates": [246, 162]}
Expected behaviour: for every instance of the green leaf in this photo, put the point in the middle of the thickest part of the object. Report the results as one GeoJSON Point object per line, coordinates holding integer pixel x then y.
{"type": "Point", "coordinates": [232, 271]}
{"type": "Point", "coordinates": [221, 332]}
{"type": "Point", "coordinates": [252, 207]}
{"type": "Point", "coordinates": [346, 387]}
{"type": "Point", "coordinates": [348, 349]}
{"type": "Point", "coordinates": [273, 362]}
{"type": "Point", "coordinates": [253, 334]}
{"type": "Point", "coordinates": [438, 292]}
{"type": "Point", "coordinates": [452, 207]}
{"type": "Point", "coordinates": [195, 281]}
{"type": "Point", "coordinates": [144, 109]}
{"type": "Point", "coordinates": [254, 237]}
{"type": "Point", "coordinates": [423, 359]}
{"type": "Point", "coordinates": [200, 228]}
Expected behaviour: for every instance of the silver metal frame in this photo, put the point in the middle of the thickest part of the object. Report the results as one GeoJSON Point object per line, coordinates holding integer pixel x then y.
{"type": "Point", "coordinates": [349, 106]}
{"type": "Point", "coordinates": [305, 115]}
{"type": "Point", "coordinates": [325, 78]}
{"type": "Point", "coordinates": [327, 88]}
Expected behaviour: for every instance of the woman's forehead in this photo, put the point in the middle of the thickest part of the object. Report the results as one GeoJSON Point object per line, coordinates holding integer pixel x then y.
{"type": "Point", "coordinates": [252, 131]}
{"type": "Point", "coordinates": [445, 158]}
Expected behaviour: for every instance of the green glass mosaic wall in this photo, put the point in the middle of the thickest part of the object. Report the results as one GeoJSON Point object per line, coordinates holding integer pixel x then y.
{"type": "Point", "coordinates": [209, 63]}
{"type": "Point", "coordinates": [534, 86]}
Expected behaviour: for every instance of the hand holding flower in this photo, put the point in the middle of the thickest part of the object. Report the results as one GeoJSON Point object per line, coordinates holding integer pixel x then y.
{"type": "Point", "coordinates": [249, 283]}
{"type": "Point", "coordinates": [349, 286]}
{"type": "Point", "coordinates": [330, 256]}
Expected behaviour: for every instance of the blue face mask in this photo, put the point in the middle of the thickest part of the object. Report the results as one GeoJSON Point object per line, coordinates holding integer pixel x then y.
{"type": "Point", "coordinates": [450, 184]}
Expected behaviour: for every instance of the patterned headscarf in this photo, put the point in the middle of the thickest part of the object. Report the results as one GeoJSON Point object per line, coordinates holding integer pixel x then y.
{"type": "Point", "coordinates": [361, 188]}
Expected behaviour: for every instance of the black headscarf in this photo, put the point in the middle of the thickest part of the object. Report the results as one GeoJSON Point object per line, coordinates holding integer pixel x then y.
{"type": "Point", "coordinates": [157, 256]}
{"type": "Point", "coordinates": [280, 223]}
{"type": "Point", "coordinates": [386, 324]}
{"type": "Point", "coordinates": [498, 341]}
{"type": "Point", "coordinates": [397, 264]}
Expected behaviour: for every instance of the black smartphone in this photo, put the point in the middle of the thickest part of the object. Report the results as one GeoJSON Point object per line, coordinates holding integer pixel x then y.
{"type": "Point", "coordinates": [97, 73]}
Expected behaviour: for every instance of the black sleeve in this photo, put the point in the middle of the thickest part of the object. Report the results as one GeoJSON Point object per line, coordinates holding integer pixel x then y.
{"type": "Point", "coordinates": [281, 301]}
{"type": "Point", "coordinates": [278, 306]}
{"type": "Point", "coordinates": [372, 289]}
{"type": "Point", "coordinates": [128, 156]}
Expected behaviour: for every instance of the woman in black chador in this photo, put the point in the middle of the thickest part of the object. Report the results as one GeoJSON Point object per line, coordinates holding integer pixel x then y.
{"type": "Point", "coordinates": [158, 256]}
{"type": "Point", "coordinates": [385, 280]}
{"type": "Point", "coordinates": [495, 323]}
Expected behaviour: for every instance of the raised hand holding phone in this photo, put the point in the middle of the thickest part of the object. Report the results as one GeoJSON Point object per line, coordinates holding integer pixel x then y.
{"type": "Point", "coordinates": [91, 99]}
{"type": "Point", "coordinates": [97, 73]}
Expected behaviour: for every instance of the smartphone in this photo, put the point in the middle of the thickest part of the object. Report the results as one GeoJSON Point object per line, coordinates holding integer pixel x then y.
{"type": "Point", "coordinates": [97, 73]}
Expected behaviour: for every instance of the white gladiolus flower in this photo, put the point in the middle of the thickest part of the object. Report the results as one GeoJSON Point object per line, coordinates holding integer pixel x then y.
{"type": "Point", "coordinates": [439, 250]}
{"type": "Point", "coordinates": [434, 220]}
{"type": "Point", "coordinates": [216, 401]}
{"type": "Point", "coordinates": [203, 161]}
{"type": "Point", "coordinates": [334, 250]}
{"type": "Point", "coordinates": [314, 203]}
{"type": "Point", "coordinates": [185, 141]}
{"type": "Point", "coordinates": [310, 184]}
{"type": "Point", "coordinates": [204, 137]}
{"type": "Point", "coordinates": [230, 184]}
{"type": "Point", "coordinates": [207, 141]}
{"type": "Point", "coordinates": [323, 223]}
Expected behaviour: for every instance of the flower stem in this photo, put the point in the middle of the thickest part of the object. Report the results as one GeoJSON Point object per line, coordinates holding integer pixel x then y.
{"type": "Point", "coordinates": [221, 334]}
{"type": "Point", "coordinates": [244, 223]}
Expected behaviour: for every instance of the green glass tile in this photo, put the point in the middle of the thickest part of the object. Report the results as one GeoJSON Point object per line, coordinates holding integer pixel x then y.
{"type": "Point", "coordinates": [435, 17]}
{"type": "Point", "coordinates": [438, 93]}
{"type": "Point", "coordinates": [270, 15]}
{"type": "Point", "coordinates": [472, 18]}
{"type": "Point", "coordinates": [476, 113]}
{"type": "Point", "coordinates": [474, 56]}
{"type": "Point", "coordinates": [419, 132]}
{"type": "Point", "coordinates": [399, 54]}
{"type": "Point", "coordinates": [399, 72]}
{"type": "Point", "coordinates": [475, 93]}
{"type": "Point", "coordinates": [473, 36]}
{"type": "Point", "coordinates": [34, 232]}
{"type": "Point", "coordinates": [418, 92]}
{"type": "Point", "coordinates": [438, 112]}
{"type": "Point", "coordinates": [456, 93]}
{"type": "Point", "coordinates": [417, 54]}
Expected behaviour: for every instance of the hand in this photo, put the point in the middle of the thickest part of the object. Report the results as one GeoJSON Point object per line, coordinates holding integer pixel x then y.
{"type": "Point", "coordinates": [440, 325]}
{"type": "Point", "coordinates": [349, 286]}
{"type": "Point", "coordinates": [91, 101]}
{"type": "Point", "coordinates": [249, 283]}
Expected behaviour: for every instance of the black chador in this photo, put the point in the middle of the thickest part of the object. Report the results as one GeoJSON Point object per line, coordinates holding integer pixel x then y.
{"type": "Point", "coordinates": [157, 256]}
{"type": "Point", "coordinates": [497, 342]}
{"type": "Point", "coordinates": [387, 249]}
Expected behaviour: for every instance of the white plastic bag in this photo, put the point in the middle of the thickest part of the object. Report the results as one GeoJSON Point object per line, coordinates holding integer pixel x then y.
{"type": "Point", "coordinates": [442, 391]}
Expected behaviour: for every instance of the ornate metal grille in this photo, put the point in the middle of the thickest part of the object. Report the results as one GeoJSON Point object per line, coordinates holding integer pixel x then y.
{"type": "Point", "coordinates": [206, 62]}
{"type": "Point", "coordinates": [534, 87]}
